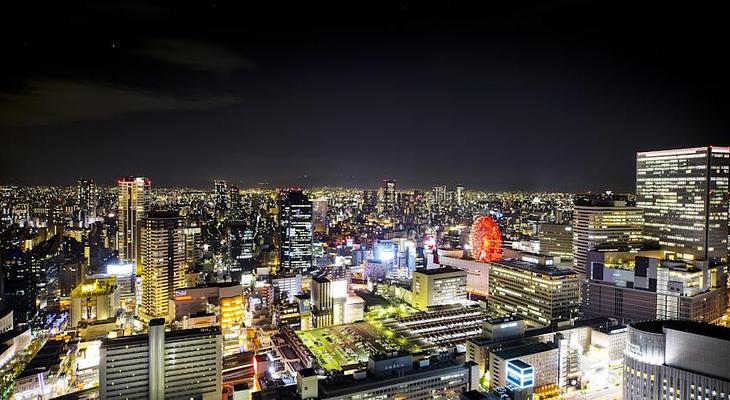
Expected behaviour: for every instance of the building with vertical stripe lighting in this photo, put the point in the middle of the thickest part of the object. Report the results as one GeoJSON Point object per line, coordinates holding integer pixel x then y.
{"type": "Point", "coordinates": [162, 258]}
{"type": "Point", "coordinates": [135, 199]}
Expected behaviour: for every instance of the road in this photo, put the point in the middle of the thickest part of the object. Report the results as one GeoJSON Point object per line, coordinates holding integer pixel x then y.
{"type": "Point", "coordinates": [611, 393]}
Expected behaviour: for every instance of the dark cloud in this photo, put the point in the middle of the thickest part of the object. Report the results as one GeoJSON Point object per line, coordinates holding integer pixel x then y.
{"type": "Point", "coordinates": [47, 102]}
{"type": "Point", "coordinates": [195, 54]}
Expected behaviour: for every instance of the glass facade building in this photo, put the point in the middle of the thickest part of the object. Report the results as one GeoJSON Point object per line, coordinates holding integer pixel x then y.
{"type": "Point", "coordinates": [684, 195]}
{"type": "Point", "coordinates": [296, 232]}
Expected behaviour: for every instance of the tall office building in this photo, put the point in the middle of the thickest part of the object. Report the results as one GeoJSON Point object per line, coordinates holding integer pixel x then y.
{"type": "Point", "coordinates": [681, 360]}
{"type": "Point", "coordinates": [193, 243]}
{"type": "Point", "coordinates": [556, 240]}
{"type": "Point", "coordinates": [86, 200]}
{"type": "Point", "coordinates": [604, 221]}
{"type": "Point", "coordinates": [322, 302]}
{"type": "Point", "coordinates": [220, 195]}
{"type": "Point", "coordinates": [181, 364]}
{"type": "Point", "coordinates": [683, 193]}
{"type": "Point", "coordinates": [241, 246]}
{"type": "Point", "coordinates": [460, 195]}
{"type": "Point", "coordinates": [389, 197]}
{"type": "Point", "coordinates": [369, 201]}
{"type": "Point", "coordinates": [533, 288]}
{"type": "Point", "coordinates": [319, 214]}
{"type": "Point", "coordinates": [135, 199]}
{"type": "Point", "coordinates": [234, 196]}
{"type": "Point", "coordinates": [438, 194]}
{"type": "Point", "coordinates": [331, 303]}
{"type": "Point", "coordinates": [162, 258]}
{"type": "Point", "coordinates": [296, 231]}
{"type": "Point", "coordinates": [20, 285]}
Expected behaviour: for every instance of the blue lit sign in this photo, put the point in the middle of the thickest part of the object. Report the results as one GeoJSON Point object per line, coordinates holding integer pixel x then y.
{"type": "Point", "coordinates": [520, 374]}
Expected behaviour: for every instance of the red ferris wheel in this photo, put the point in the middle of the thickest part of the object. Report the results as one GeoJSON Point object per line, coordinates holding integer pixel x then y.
{"type": "Point", "coordinates": [485, 240]}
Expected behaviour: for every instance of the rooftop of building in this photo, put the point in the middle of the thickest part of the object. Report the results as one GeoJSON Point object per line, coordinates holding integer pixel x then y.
{"type": "Point", "coordinates": [607, 199]}
{"type": "Point", "coordinates": [688, 150]}
{"type": "Point", "coordinates": [612, 328]}
{"type": "Point", "coordinates": [502, 320]}
{"type": "Point", "coordinates": [520, 364]}
{"type": "Point", "coordinates": [550, 270]}
{"type": "Point", "coordinates": [143, 338]}
{"type": "Point", "coordinates": [238, 360]}
{"type": "Point", "coordinates": [348, 383]}
{"type": "Point", "coordinates": [473, 395]}
{"type": "Point", "coordinates": [95, 287]}
{"type": "Point", "coordinates": [213, 285]}
{"type": "Point", "coordinates": [162, 214]}
{"type": "Point", "coordinates": [46, 358]}
{"type": "Point", "coordinates": [694, 327]}
{"type": "Point", "coordinates": [439, 271]}
{"type": "Point", "coordinates": [520, 351]}
{"type": "Point", "coordinates": [594, 322]}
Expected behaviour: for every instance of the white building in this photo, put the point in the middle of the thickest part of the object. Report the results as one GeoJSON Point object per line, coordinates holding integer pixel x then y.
{"type": "Point", "coordinates": [438, 287]}
{"type": "Point", "coordinates": [543, 357]}
{"type": "Point", "coordinates": [160, 365]}
{"type": "Point", "coordinates": [680, 360]}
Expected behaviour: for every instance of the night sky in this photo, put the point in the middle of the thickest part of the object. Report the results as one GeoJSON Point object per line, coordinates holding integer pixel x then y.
{"type": "Point", "coordinates": [496, 96]}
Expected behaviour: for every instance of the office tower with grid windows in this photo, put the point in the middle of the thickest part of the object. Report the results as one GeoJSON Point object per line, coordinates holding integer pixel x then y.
{"type": "Point", "coordinates": [684, 195]}
{"type": "Point", "coordinates": [180, 364]}
{"type": "Point", "coordinates": [607, 221]}
{"type": "Point", "coordinates": [296, 231]}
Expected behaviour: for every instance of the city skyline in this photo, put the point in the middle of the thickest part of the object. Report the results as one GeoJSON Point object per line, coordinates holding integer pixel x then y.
{"type": "Point", "coordinates": [307, 182]}
{"type": "Point", "coordinates": [380, 200]}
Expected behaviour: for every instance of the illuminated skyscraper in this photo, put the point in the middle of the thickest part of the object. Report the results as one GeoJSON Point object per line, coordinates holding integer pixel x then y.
{"type": "Point", "coordinates": [369, 201]}
{"type": "Point", "coordinates": [319, 214]}
{"type": "Point", "coordinates": [241, 247]}
{"type": "Point", "coordinates": [603, 221]}
{"type": "Point", "coordinates": [684, 195]}
{"type": "Point", "coordinates": [135, 199]}
{"type": "Point", "coordinates": [234, 196]}
{"type": "Point", "coordinates": [388, 195]}
{"type": "Point", "coordinates": [459, 195]}
{"type": "Point", "coordinates": [556, 240]}
{"type": "Point", "coordinates": [438, 194]}
{"type": "Point", "coordinates": [296, 231]}
{"type": "Point", "coordinates": [86, 197]}
{"type": "Point", "coordinates": [220, 195]}
{"type": "Point", "coordinates": [162, 258]}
